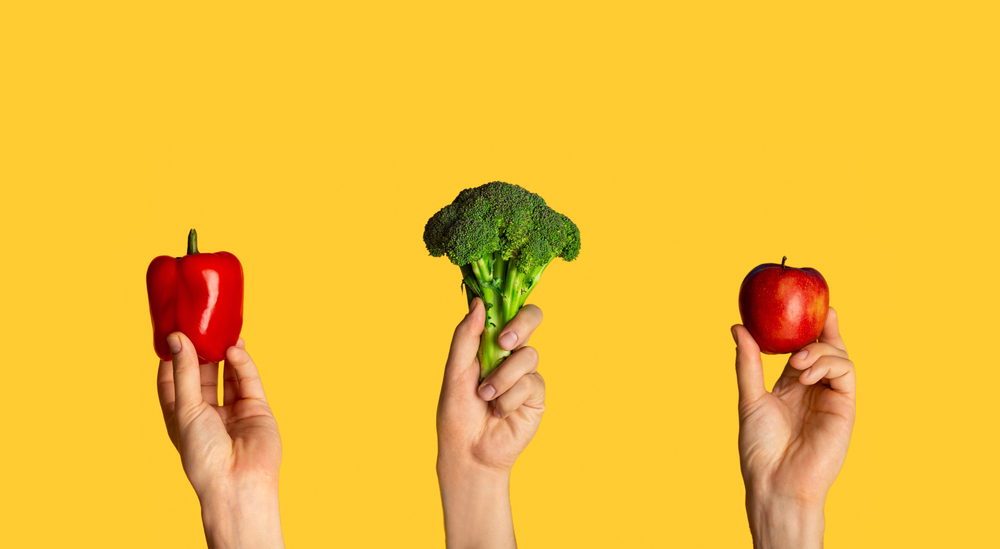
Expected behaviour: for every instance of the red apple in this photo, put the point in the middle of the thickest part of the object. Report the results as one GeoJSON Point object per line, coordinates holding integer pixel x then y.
{"type": "Point", "coordinates": [784, 308]}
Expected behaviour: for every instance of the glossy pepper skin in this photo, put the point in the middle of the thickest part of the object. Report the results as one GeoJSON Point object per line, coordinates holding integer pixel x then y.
{"type": "Point", "coordinates": [200, 295]}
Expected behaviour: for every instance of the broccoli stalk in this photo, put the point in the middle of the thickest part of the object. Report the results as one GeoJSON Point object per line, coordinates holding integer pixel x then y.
{"type": "Point", "coordinates": [504, 290]}
{"type": "Point", "coordinates": [502, 237]}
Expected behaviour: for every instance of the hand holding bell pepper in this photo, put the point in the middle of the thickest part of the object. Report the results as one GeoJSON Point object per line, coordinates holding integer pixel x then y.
{"type": "Point", "coordinates": [200, 295]}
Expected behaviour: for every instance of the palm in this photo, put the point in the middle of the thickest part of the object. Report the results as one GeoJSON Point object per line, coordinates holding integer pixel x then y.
{"type": "Point", "coordinates": [235, 438]}
{"type": "Point", "coordinates": [798, 435]}
{"type": "Point", "coordinates": [239, 438]}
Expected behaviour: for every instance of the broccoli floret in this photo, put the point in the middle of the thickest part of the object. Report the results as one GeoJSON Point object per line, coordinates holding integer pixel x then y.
{"type": "Point", "coordinates": [502, 237]}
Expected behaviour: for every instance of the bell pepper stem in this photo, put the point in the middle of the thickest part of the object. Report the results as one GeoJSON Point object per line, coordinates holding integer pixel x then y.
{"type": "Point", "coordinates": [192, 242]}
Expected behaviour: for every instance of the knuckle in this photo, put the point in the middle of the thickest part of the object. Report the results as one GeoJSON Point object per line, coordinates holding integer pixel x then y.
{"type": "Point", "coordinates": [821, 350]}
{"type": "Point", "coordinates": [467, 325]}
{"type": "Point", "coordinates": [534, 384]}
{"type": "Point", "coordinates": [518, 326]}
{"type": "Point", "coordinates": [530, 353]}
{"type": "Point", "coordinates": [524, 384]}
{"type": "Point", "coordinates": [503, 406]}
{"type": "Point", "coordinates": [824, 361]}
{"type": "Point", "coordinates": [833, 362]}
{"type": "Point", "coordinates": [237, 354]}
{"type": "Point", "coordinates": [500, 380]}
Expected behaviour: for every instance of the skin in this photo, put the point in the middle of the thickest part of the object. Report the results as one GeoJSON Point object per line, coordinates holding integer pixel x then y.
{"type": "Point", "coordinates": [230, 453]}
{"type": "Point", "coordinates": [483, 427]}
{"type": "Point", "coordinates": [793, 440]}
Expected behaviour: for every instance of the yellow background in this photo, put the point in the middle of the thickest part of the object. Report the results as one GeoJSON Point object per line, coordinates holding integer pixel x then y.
{"type": "Point", "coordinates": [689, 143]}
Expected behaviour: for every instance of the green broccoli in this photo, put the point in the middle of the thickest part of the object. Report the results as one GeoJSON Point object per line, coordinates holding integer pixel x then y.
{"type": "Point", "coordinates": [502, 237]}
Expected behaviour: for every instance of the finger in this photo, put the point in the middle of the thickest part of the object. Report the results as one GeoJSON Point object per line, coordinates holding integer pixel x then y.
{"type": "Point", "coordinates": [519, 364]}
{"type": "Point", "coordinates": [187, 375]}
{"type": "Point", "coordinates": [462, 364]}
{"type": "Point", "coordinates": [210, 383]}
{"type": "Point", "coordinates": [230, 383]}
{"type": "Point", "coordinates": [250, 385]}
{"type": "Point", "coordinates": [529, 390]}
{"type": "Point", "coordinates": [809, 354]}
{"type": "Point", "coordinates": [516, 333]}
{"type": "Point", "coordinates": [831, 331]}
{"type": "Point", "coordinates": [165, 387]}
{"type": "Point", "coordinates": [749, 367]}
{"type": "Point", "coordinates": [838, 371]}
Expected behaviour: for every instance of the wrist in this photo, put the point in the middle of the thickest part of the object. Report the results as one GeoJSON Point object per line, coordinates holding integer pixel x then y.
{"type": "Point", "coordinates": [476, 504]}
{"type": "Point", "coordinates": [778, 522]}
{"type": "Point", "coordinates": [460, 470]}
{"type": "Point", "coordinates": [244, 516]}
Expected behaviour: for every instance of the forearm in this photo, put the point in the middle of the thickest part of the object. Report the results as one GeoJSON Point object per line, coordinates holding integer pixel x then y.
{"type": "Point", "coordinates": [782, 524]}
{"type": "Point", "coordinates": [245, 518]}
{"type": "Point", "coordinates": [476, 503]}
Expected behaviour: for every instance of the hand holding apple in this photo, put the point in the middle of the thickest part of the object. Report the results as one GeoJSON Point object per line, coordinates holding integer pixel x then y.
{"type": "Point", "coordinates": [793, 440]}
{"type": "Point", "coordinates": [782, 307]}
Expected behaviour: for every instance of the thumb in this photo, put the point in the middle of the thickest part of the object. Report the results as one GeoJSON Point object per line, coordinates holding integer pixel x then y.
{"type": "Point", "coordinates": [749, 367]}
{"type": "Point", "coordinates": [462, 367]}
{"type": "Point", "coordinates": [187, 376]}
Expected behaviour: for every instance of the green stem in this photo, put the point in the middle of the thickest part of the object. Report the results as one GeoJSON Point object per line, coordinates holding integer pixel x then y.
{"type": "Point", "coordinates": [490, 353]}
{"type": "Point", "coordinates": [485, 272]}
{"type": "Point", "coordinates": [502, 302]}
{"type": "Point", "coordinates": [469, 278]}
{"type": "Point", "coordinates": [535, 275]}
{"type": "Point", "coordinates": [511, 284]}
{"type": "Point", "coordinates": [192, 242]}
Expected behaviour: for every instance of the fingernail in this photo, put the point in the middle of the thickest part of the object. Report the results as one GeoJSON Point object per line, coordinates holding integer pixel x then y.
{"type": "Point", "coordinates": [805, 374]}
{"type": "Point", "coordinates": [801, 355]}
{"type": "Point", "coordinates": [508, 340]}
{"type": "Point", "coordinates": [472, 304]}
{"type": "Point", "coordinates": [174, 342]}
{"type": "Point", "coordinates": [497, 413]}
{"type": "Point", "coordinates": [487, 391]}
{"type": "Point", "coordinates": [735, 339]}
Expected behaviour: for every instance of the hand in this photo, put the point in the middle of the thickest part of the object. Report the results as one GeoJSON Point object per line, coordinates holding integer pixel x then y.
{"type": "Point", "coordinates": [230, 453]}
{"type": "Point", "coordinates": [483, 427]}
{"type": "Point", "coordinates": [793, 440]}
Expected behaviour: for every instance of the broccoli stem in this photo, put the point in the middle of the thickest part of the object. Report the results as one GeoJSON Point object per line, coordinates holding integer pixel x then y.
{"type": "Point", "coordinates": [504, 289]}
{"type": "Point", "coordinates": [484, 271]}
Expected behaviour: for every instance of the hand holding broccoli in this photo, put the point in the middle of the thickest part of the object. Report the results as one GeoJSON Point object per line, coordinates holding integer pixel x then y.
{"type": "Point", "coordinates": [483, 427]}
{"type": "Point", "coordinates": [502, 237]}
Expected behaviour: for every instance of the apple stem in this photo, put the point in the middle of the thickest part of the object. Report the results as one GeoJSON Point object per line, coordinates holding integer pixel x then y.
{"type": "Point", "coordinates": [783, 258]}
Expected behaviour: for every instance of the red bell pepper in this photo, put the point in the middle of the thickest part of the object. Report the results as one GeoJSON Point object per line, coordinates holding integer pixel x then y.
{"type": "Point", "coordinates": [200, 295]}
